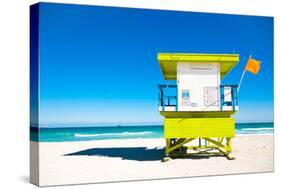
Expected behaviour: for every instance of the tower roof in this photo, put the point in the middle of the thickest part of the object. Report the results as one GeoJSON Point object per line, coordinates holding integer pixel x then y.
{"type": "Point", "coordinates": [168, 62]}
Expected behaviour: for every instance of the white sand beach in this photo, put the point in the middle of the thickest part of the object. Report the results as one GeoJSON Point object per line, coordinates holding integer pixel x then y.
{"type": "Point", "coordinates": [139, 159]}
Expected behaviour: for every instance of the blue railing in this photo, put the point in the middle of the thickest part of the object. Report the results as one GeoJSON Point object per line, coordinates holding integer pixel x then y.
{"type": "Point", "coordinates": [168, 94]}
{"type": "Point", "coordinates": [232, 91]}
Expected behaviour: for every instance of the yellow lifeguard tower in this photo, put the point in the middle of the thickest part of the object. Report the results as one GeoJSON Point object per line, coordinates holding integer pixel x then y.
{"type": "Point", "coordinates": [197, 109]}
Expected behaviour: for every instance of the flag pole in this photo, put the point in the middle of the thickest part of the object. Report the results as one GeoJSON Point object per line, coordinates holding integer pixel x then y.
{"type": "Point", "coordinates": [240, 82]}
{"type": "Point", "coordinates": [238, 88]}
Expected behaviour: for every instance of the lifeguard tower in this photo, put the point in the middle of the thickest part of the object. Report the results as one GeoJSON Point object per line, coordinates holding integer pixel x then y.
{"type": "Point", "coordinates": [197, 109]}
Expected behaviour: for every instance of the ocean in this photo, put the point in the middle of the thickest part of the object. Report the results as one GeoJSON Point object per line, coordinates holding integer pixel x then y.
{"type": "Point", "coordinates": [126, 132]}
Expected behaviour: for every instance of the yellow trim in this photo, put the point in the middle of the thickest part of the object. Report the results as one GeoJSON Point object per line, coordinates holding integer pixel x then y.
{"type": "Point", "coordinates": [168, 62]}
{"type": "Point", "coordinates": [199, 127]}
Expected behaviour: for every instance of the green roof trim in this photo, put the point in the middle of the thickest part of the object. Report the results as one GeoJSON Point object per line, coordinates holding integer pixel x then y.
{"type": "Point", "coordinates": [168, 62]}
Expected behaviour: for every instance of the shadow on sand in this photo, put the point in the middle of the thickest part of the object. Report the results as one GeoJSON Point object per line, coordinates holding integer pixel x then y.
{"type": "Point", "coordinates": [127, 153]}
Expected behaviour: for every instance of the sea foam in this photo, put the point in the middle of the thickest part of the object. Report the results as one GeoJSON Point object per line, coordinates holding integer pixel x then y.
{"type": "Point", "coordinates": [113, 134]}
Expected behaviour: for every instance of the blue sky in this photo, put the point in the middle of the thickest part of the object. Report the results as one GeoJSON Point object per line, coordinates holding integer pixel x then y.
{"type": "Point", "coordinates": [99, 64]}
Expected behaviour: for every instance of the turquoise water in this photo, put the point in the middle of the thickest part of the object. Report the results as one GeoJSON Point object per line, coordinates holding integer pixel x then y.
{"type": "Point", "coordinates": [126, 132]}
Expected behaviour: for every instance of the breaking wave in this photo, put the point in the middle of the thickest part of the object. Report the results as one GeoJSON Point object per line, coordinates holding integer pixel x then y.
{"type": "Point", "coordinates": [113, 134]}
{"type": "Point", "coordinates": [258, 129]}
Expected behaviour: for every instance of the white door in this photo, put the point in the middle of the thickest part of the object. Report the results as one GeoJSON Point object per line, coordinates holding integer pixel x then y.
{"type": "Point", "coordinates": [198, 86]}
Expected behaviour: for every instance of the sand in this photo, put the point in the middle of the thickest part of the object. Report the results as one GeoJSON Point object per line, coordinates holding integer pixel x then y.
{"type": "Point", "coordinates": [140, 159]}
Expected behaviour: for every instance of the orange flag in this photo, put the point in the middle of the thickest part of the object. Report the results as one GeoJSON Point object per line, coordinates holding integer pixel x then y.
{"type": "Point", "coordinates": [253, 66]}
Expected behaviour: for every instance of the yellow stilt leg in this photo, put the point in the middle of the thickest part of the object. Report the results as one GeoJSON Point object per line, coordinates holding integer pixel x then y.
{"type": "Point", "coordinates": [229, 144]}
{"type": "Point", "coordinates": [168, 142]}
{"type": "Point", "coordinates": [179, 144]}
{"type": "Point", "coordinates": [174, 146]}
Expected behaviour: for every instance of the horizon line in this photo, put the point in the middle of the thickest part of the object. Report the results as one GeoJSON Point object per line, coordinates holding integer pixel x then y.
{"type": "Point", "coordinates": [123, 125]}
